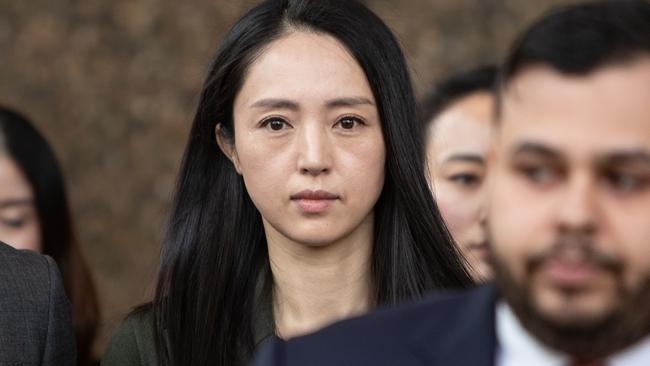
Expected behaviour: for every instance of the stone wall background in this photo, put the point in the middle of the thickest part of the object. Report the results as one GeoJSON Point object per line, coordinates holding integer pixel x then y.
{"type": "Point", "coordinates": [113, 86]}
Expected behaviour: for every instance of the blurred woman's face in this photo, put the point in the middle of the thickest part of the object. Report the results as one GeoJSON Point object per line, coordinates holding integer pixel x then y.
{"type": "Point", "coordinates": [308, 140]}
{"type": "Point", "coordinates": [19, 226]}
{"type": "Point", "coordinates": [458, 143]}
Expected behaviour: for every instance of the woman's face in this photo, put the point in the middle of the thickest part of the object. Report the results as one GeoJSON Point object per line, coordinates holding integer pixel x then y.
{"type": "Point", "coordinates": [308, 140]}
{"type": "Point", "coordinates": [459, 140]}
{"type": "Point", "coordinates": [19, 226]}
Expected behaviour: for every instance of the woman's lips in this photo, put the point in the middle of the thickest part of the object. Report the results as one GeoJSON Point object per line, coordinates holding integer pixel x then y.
{"type": "Point", "coordinates": [314, 201]}
{"type": "Point", "coordinates": [481, 250]}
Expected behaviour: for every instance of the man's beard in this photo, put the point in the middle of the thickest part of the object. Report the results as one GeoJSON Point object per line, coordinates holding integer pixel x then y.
{"type": "Point", "coordinates": [585, 338]}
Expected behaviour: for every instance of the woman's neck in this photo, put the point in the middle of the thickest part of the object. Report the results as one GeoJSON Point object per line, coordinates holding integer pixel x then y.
{"type": "Point", "coordinates": [317, 285]}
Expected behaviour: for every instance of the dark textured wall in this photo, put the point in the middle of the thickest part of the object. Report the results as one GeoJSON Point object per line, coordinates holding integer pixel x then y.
{"type": "Point", "coordinates": [113, 85]}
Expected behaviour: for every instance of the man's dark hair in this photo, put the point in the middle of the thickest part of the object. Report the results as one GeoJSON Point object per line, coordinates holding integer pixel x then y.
{"type": "Point", "coordinates": [455, 87]}
{"type": "Point", "coordinates": [578, 39]}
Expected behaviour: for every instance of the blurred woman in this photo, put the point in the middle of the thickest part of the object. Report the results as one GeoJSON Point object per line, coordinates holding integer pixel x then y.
{"type": "Point", "coordinates": [302, 197]}
{"type": "Point", "coordinates": [458, 117]}
{"type": "Point", "coordinates": [34, 215]}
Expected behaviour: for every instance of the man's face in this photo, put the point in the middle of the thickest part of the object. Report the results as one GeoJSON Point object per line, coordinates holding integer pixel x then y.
{"type": "Point", "coordinates": [569, 200]}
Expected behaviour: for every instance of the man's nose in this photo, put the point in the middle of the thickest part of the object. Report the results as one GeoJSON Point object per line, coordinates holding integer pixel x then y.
{"type": "Point", "coordinates": [578, 211]}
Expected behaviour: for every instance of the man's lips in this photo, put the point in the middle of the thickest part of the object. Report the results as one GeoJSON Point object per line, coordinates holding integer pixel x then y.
{"type": "Point", "coordinates": [314, 201]}
{"type": "Point", "coordinates": [574, 263]}
{"type": "Point", "coordinates": [569, 273]}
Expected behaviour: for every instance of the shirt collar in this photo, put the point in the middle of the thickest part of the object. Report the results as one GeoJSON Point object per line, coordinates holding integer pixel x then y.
{"type": "Point", "coordinates": [637, 355]}
{"type": "Point", "coordinates": [518, 347]}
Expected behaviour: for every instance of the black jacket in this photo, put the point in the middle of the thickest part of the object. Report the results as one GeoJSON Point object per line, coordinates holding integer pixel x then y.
{"type": "Point", "coordinates": [35, 319]}
{"type": "Point", "coordinates": [455, 329]}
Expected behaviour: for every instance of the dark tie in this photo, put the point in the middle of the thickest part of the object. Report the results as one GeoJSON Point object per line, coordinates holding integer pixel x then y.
{"type": "Point", "coordinates": [587, 363]}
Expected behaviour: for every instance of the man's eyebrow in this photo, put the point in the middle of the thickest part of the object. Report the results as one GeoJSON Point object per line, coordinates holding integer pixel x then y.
{"type": "Point", "coordinates": [624, 157]}
{"type": "Point", "coordinates": [349, 102]}
{"type": "Point", "coordinates": [466, 158]}
{"type": "Point", "coordinates": [536, 148]}
{"type": "Point", "coordinates": [275, 103]}
{"type": "Point", "coordinates": [12, 202]}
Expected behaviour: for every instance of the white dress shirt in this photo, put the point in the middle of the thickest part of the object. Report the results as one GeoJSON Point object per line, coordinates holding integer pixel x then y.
{"type": "Point", "coordinates": [517, 347]}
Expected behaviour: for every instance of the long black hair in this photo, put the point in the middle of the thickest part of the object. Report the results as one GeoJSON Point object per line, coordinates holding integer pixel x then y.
{"type": "Point", "coordinates": [34, 157]}
{"type": "Point", "coordinates": [215, 245]}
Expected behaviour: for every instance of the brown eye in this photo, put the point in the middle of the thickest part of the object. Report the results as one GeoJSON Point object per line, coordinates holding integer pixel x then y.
{"type": "Point", "coordinates": [349, 123]}
{"type": "Point", "coordinates": [625, 182]}
{"type": "Point", "coordinates": [16, 223]}
{"type": "Point", "coordinates": [541, 174]}
{"type": "Point", "coordinates": [275, 124]}
{"type": "Point", "coordinates": [466, 179]}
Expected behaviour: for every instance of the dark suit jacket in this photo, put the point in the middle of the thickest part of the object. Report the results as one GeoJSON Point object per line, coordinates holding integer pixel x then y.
{"type": "Point", "coordinates": [442, 330]}
{"type": "Point", "coordinates": [35, 323]}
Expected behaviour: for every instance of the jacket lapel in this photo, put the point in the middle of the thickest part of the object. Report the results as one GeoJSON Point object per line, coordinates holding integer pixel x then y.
{"type": "Point", "coordinates": [460, 332]}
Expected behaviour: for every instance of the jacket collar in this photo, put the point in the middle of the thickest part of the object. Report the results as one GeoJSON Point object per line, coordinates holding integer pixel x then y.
{"type": "Point", "coordinates": [462, 333]}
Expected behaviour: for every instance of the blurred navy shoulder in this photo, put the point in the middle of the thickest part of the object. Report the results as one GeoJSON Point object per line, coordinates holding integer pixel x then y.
{"type": "Point", "coordinates": [453, 328]}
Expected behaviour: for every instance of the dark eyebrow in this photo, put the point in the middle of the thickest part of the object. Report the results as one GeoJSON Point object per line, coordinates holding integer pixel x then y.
{"type": "Point", "coordinates": [274, 103]}
{"type": "Point", "coordinates": [349, 102]}
{"type": "Point", "coordinates": [16, 202]}
{"type": "Point", "coordinates": [466, 158]}
{"type": "Point", "coordinates": [537, 149]}
{"type": "Point", "coordinates": [624, 157]}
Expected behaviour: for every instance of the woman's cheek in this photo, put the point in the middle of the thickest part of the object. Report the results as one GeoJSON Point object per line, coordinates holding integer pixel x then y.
{"type": "Point", "coordinates": [455, 210]}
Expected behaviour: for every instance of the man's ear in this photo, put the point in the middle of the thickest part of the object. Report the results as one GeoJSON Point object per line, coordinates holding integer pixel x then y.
{"type": "Point", "coordinates": [227, 146]}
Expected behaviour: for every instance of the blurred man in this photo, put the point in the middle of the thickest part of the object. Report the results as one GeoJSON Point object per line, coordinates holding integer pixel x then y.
{"type": "Point", "coordinates": [458, 114]}
{"type": "Point", "coordinates": [569, 209]}
{"type": "Point", "coordinates": [35, 323]}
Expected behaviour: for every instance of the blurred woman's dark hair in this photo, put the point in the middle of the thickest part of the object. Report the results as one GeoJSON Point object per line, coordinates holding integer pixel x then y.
{"type": "Point", "coordinates": [455, 87]}
{"type": "Point", "coordinates": [36, 160]}
{"type": "Point", "coordinates": [215, 246]}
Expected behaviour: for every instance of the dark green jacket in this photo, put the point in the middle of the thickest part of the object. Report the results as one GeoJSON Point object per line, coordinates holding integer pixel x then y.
{"type": "Point", "coordinates": [133, 344]}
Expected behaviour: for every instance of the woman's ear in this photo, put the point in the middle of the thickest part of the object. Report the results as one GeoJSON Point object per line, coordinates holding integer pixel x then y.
{"type": "Point", "coordinates": [227, 146]}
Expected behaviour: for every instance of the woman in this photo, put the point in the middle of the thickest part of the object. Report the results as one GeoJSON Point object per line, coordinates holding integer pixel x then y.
{"type": "Point", "coordinates": [458, 116]}
{"type": "Point", "coordinates": [302, 197]}
{"type": "Point", "coordinates": [34, 214]}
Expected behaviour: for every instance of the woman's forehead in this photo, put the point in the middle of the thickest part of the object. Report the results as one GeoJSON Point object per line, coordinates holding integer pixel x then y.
{"type": "Point", "coordinates": [13, 183]}
{"type": "Point", "coordinates": [304, 65]}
